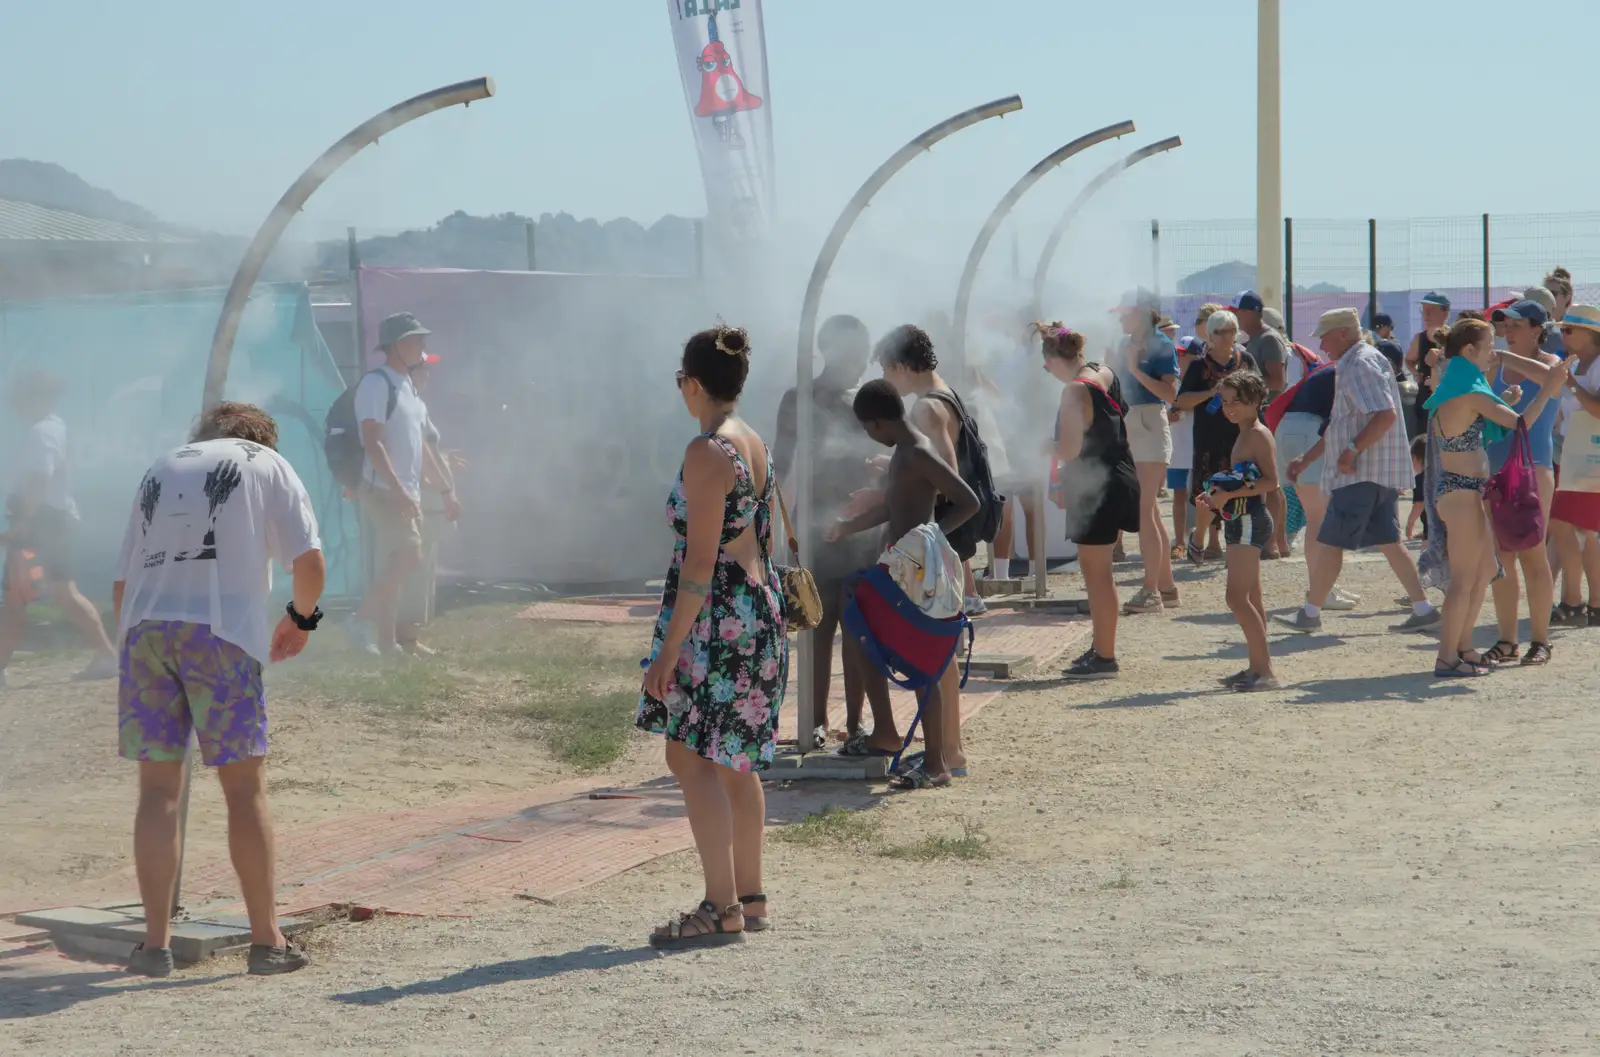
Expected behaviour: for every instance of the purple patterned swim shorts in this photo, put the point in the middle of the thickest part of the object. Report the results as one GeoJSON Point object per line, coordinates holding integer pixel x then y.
{"type": "Point", "coordinates": [178, 677]}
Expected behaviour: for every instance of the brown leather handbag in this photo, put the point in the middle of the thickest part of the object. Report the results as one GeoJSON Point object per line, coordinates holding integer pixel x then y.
{"type": "Point", "coordinates": [802, 602]}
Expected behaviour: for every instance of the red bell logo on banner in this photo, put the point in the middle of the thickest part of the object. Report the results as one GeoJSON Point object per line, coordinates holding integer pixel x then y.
{"type": "Point", "coordinates": [721, 89]}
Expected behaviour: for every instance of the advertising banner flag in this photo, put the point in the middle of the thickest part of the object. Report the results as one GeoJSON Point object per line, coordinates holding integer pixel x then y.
{"type": "Point", "coordinates": [721, 48]}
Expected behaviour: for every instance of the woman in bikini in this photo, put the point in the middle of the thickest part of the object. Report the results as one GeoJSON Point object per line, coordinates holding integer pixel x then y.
{"type": "Point", "coordinates": [1458, 423]}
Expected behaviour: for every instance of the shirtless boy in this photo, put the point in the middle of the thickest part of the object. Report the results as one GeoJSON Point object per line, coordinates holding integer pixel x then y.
{"type": "Point", "coordinates": [916, 478]}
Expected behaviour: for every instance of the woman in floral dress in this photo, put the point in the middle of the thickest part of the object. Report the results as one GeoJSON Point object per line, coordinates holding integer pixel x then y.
{"type": "Point", "coordinates": [719, 656]}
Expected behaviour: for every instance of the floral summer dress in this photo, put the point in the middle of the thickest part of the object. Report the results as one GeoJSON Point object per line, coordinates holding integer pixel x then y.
{"type": "Point", "coordinates": [735, 660]}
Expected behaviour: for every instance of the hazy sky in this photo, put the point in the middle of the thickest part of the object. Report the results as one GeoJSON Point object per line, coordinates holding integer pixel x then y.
{"type": "Point", "coordinates": [205, 112]}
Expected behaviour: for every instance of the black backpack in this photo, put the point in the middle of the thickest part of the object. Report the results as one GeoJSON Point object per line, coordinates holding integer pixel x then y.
{"type": "Point", "coordinates": [341, 436]}
{"type": "Point", "coordinates": [972, 463]}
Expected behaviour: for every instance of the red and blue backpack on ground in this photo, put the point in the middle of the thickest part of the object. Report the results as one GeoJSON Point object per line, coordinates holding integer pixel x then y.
{"type": "Point", "coordinates": [904, 643]}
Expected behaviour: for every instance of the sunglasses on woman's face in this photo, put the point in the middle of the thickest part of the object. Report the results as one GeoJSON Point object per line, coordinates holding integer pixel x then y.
{"type": "Point", "coordinates": [679, 378]}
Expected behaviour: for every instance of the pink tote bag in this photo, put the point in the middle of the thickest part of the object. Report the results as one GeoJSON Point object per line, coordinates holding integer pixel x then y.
{"type": "Point", "coordinates": [1513, 498]}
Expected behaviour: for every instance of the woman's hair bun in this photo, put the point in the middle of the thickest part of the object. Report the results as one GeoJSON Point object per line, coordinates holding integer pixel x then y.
{"type": "Point", "coordinates": [734, 341]}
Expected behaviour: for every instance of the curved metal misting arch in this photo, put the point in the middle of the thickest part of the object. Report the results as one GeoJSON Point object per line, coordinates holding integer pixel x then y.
{"type": "Point", "coordinates": [1053, 243]}
{"type": "Point", "coordinates": [980, 245]}
{"type": "Point", "coordinates": [1051, 246]}
{"type": "Point", "coordinates": [805, 363]}
{"type": "Point", "coordinates": [294, 199]}
{"type": "Point", "coordinates": [255, 255]}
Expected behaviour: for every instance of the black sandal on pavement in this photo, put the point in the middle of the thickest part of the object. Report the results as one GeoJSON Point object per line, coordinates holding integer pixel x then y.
{"type": "Point", "coordinates": [712, 934]}
{"type": "Point", "coordinates": [916, 778]}
{"type": "Point", "coordinates": [1500, 654]}
{"type": "Point", "coordinates": [751, 923]}
{"type": "Point", "coordinates": [1461, 669]}
{"type": "Point", "coordinates": [1538, 654]}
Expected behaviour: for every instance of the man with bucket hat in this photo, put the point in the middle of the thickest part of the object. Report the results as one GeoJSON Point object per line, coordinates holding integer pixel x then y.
{"type": "Point", "coordinates": [391, 417]}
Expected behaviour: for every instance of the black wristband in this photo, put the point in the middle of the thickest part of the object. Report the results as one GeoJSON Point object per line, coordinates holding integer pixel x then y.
{"type": "Point", "coordinates": [304, 623]}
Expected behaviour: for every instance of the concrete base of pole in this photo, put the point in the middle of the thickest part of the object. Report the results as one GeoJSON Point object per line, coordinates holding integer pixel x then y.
{"type": "Point", "coordinates": [111, 932]}
{"type": "Point", "coordinates": [825, 767]}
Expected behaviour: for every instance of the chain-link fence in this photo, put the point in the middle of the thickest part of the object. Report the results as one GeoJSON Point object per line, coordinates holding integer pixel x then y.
{"type": "Point", "coordinates": [1386, 264]}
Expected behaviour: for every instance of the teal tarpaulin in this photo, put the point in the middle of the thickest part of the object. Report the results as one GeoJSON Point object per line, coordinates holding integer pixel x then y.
{"type": "Point", "coordinates": [133, 369]}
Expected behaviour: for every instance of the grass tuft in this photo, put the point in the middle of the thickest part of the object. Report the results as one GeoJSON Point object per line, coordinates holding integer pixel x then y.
{"type": "Point", "coordinates": [972, 845]}
{"type": "Point", "coordinates": [832, 827]}
{"type": "Point", "coordinates": [586, 730]}
{"type": "Point", "coordinates": [577, 688]}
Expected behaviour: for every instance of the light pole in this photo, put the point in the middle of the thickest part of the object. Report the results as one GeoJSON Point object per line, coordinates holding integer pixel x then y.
{"type": "Point", "coordinates": [1269, 158]}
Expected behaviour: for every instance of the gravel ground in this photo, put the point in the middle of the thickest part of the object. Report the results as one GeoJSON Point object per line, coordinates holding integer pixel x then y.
{"type": "Point", "coordinates": [1365, 862]}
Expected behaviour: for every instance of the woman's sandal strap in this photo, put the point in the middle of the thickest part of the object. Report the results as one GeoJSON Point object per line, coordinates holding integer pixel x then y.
{"type": "Point", "coordinates": [759, 897]}
{"type": "Point", "coordinates": [1497, 653]}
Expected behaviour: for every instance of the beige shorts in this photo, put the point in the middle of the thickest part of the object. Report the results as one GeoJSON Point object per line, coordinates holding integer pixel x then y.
{"type": "Point", "coordinates": [1149, 433]}
{"type": "Point", "coordinates": [389, 531]}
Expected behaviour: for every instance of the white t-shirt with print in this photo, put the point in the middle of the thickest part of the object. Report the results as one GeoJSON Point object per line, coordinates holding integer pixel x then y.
{"type": "Point", "coordinates": [207, 523]}
{"type": "Point", "coordinates": [44, 454]}
{"type": "Point", "coordinates": [402, 433]}
{"type": "Point", "coordinates": [1589, 381]}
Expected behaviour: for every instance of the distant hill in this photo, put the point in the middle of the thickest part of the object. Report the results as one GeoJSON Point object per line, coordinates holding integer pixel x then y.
{"type": "Point", "coordinates": [562, 244]}
{"type": "Point", "coordinates": [48, 184]}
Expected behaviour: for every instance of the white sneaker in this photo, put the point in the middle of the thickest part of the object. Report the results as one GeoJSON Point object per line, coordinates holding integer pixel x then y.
{"type": "Point", "coordinates": [1339, 601]}
{"type": "Point", "coordinates": [362, 636]}
{"type": "Point", "coordinates": [102, 667]}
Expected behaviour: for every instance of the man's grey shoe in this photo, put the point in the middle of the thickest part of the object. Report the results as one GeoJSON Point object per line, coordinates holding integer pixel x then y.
{"type": "Point", "coordinates": [1419, 621]}
{"type": "Point", "coordinates": [275, 961]}
{"type": "Point", "coordinates": [1300, 622]}
{"type": "Point", "coordinates": [151, 961]}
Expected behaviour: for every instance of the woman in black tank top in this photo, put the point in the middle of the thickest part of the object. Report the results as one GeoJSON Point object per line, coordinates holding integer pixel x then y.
{"type": "Point", "coordinates": [1099, 487]}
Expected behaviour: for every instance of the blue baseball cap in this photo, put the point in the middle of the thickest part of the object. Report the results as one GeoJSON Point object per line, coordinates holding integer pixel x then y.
{"type": "Point", "coordinates": [1532, 311]}
{"type": "Point", "coordinates": [1382, 319]}
{"type": "Point", "coordinates": [1434, 297]}
{"type": "Point", "coordinates": [1249, 301]}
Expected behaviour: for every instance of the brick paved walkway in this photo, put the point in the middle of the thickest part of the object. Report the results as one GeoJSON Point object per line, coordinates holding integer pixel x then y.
{"type": "Point", "coordinates": [453, 857]}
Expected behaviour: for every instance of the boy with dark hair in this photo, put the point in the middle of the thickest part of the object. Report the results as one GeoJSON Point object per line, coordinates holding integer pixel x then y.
{"type": "Point", "coordinates": [910, 365]}
{"type": "Point", "coordinates": [917, 479]}
{"type": "Point", "coordinates": [1419, 462]}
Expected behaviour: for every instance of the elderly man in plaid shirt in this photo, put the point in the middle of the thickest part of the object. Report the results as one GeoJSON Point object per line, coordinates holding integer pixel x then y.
{"type": "Point", "coordinates": [1369, 465]}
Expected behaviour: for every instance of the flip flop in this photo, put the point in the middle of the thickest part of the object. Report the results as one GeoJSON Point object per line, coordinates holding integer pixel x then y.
{"type": "Point", "coordinates": [1459, 670]}
{"type": "Point", "coordinates": [855, 747]}
{"type": "Point", "coordinates": [916, 778]}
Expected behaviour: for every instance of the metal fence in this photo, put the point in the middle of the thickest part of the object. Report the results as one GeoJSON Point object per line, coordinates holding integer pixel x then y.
{"type": "Point", "coordinates": [1382, 263]}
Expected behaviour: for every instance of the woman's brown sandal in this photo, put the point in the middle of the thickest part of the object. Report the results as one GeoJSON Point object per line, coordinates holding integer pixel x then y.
{"type": "Point", "coordinates": [1502, 653]}
{"type": "Point", "coordinates": [711, 934]}
{"type": "Point", "coordinates": [1538, 653]}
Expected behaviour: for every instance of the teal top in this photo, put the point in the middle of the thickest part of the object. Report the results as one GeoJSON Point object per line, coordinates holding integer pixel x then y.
{"type": "Point", "coordinates": [1461, 376]}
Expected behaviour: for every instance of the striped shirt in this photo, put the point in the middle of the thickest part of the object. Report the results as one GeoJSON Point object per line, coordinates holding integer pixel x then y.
{"type": "Point", "coordinates": [1364, 385]}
